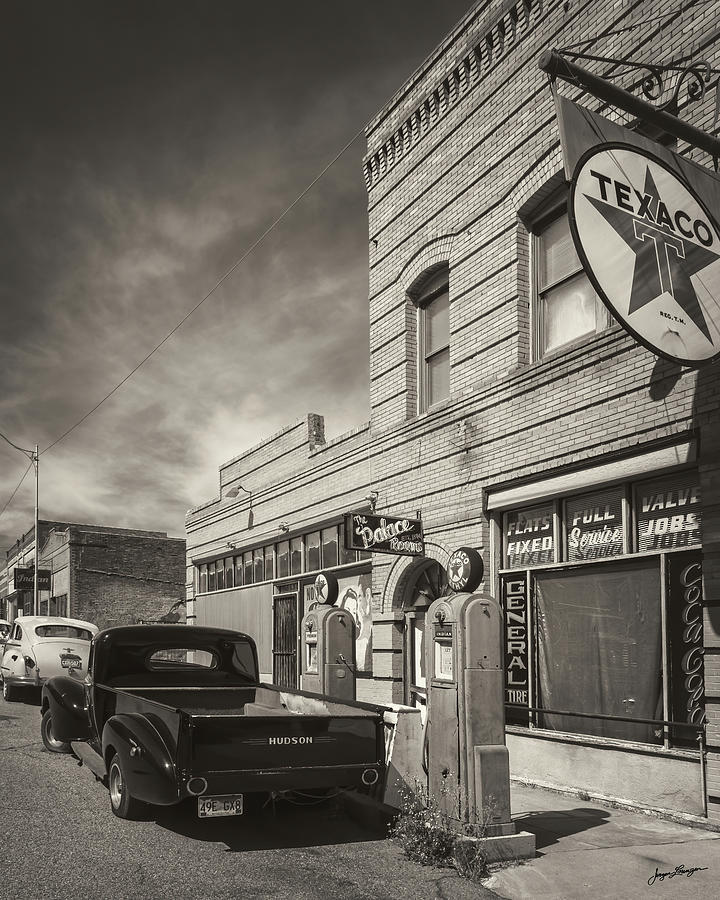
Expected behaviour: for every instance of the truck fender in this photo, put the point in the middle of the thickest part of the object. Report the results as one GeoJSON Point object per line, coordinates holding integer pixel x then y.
{"type": "Point", "coordinates": [147, 764]}
{"type": "Point", "coordinates": [65, 698]}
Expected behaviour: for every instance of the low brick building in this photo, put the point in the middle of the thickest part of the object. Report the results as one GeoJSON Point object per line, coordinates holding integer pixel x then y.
{"type": "Point", "coordinates": [108, 576]}
{"type": "Point", "coordinates": [515, 416]}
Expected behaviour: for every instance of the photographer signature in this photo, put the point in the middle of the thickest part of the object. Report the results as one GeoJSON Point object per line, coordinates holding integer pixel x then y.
{"type": "Point", "coordinates": [679, 870]}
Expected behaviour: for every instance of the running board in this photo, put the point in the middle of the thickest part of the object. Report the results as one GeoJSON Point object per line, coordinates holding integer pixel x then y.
{"type": "Point", "coordinates": [87, 756]}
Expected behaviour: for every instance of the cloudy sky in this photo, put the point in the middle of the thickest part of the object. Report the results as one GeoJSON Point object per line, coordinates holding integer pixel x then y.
{"type": "Point", "coordinates": [145, 146]}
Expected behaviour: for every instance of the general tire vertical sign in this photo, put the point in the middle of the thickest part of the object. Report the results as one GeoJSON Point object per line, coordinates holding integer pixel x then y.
{"type": "Point", "coordinates": [685, 623]}
{"type": "Point", "coordinates": [516, 644]}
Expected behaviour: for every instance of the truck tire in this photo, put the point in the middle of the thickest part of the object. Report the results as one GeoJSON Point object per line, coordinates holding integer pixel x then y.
{"type": "Point", "coordinates": [122, 803]}
{"type": "Point", "coordinates": [51, 743]}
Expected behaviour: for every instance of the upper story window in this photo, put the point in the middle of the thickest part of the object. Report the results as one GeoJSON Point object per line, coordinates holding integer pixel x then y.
{"type": "Point", "coordinates": [567, 306]}
{"type": "Point", "coordinates": [434, 340]}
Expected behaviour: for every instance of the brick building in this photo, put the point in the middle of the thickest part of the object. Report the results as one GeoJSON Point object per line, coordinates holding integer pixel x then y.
{"type": "Point", "coordinates": [108, 576]}
{"type": "Point", "coordinates": [517, 417]}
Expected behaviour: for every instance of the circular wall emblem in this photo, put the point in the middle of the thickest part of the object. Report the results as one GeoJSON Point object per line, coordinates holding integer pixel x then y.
{"type": "Point", "coordinates": [465, 570]}
{"type": "Point", "coordinates": [651, 250]}
{"type": "Point", "coordinates": [326, 588]}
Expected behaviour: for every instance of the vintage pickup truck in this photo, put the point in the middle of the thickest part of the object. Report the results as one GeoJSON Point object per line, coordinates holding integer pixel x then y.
{"type": "Point", "coordinates": [170, 712]}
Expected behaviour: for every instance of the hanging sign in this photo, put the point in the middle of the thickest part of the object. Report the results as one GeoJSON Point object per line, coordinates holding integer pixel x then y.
{"type": "Point", "coordinates": [641, 223]}
{"type": "Point", "coordinates": [383, 534]}
{"type": "Point", "coordinates": [24, 579]}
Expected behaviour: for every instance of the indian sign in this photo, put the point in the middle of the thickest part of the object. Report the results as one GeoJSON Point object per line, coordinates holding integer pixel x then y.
{"type": "Point", "coordinates": [383, 534]}
{"type": "Point", "coordinates": [24, 579]}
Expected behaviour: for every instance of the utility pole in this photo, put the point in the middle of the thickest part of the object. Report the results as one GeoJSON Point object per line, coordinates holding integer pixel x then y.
{"type": "Point", "coordinates": [36, 461]}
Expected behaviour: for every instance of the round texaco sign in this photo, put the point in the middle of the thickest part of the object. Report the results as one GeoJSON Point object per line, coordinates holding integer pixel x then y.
{"type": "Point", "coordinates": [651, 249]}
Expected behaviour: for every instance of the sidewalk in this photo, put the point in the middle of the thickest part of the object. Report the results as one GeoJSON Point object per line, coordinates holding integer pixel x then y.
{"type": "Point", "coordinates": [588, 850]}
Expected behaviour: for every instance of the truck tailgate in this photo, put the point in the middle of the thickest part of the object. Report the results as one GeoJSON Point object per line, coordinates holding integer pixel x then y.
{"type": "Point", "coordinates": [224, 744]}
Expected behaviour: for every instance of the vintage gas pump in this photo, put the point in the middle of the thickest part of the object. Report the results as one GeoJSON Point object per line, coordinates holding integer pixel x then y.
{"type": "Point", "coordinates": [328, 644]}
{"type": "Point", "coordinates": [468, 764]}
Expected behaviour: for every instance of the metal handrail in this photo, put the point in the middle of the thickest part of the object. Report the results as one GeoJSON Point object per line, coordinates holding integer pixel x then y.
{"type": "Point", "coordinates": [700, 729]}
{"type": "Point", "coordinates": [631, 719]}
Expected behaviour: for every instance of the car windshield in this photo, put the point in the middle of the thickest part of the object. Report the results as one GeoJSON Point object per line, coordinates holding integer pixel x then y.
{"type": "Point", "coordinates": [63, 631]}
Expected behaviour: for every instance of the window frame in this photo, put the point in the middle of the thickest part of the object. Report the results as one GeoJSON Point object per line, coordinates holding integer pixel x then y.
{"type": "Point", "coordinates": [552, 212]}
{"type": "Point", "coordinates": [438, 285]}
{"type": "Point", "coordinates": [528, 572]}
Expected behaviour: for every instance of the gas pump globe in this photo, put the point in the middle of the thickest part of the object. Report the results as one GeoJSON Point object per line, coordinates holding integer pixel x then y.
{"type": "Point", "coordinates": [468, 763]}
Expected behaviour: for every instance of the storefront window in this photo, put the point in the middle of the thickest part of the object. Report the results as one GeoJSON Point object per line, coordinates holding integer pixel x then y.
{"type": "Point", "coordinates": [219, 575]}
{"type": "Point", "coordinates": [329, 547]}
{"type": "Point", "coordinates": [238, 571]}
{"type": "Point", "coordinates": [599, 648]}
{"type": "Point", "coordinates": [269, 562]}
{"type": "Point", "coordinates": [529, 536]}
{"type": "Point", "coordinates": [668, 513]}
{"type": "Point", "coordinates": [202, 579]}
{"type": "Point", "coordinates": [248, 567]}
{"type": "Point", "coordinates": [283, 559]}
{"type": "Point", "coordinates": [312, 551]}
{"type": "Point", "coordinates": [211, 577]}
{"type": "Point", "coordinates": [258, 565]}
{"type": "Point", "coordinates": [296, 556]}
{"type": "Point", "coordinates": [594, 525]}
{"type": "Point", "coordinates": [229, 578]}
{"type": "Point", "coordinates": [589, 637]}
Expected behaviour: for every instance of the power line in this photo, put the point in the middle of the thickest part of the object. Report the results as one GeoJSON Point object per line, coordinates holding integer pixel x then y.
{"type": "Point", "coordinates": [10, 498]}
{"type": "Point", "coordinates": [21, 449]}
{"type": "Point", "coordinates": [210, 292]}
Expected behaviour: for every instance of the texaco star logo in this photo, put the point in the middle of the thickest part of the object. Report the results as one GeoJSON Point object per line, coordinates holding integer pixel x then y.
{"type": "Point", "coordinates": [321, 589]}
{"type": "Point", "coordinates": [458, 570]}
{"type": "Point", "coordinates": [651, 249]}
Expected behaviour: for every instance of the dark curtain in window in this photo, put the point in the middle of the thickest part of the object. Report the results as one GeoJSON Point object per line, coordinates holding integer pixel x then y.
{"type": "Point", "coordinates": [599, 648]}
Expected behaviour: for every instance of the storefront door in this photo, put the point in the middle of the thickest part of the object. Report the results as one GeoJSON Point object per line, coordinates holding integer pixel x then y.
{"type": "Point", "coordinates": [285, 640]}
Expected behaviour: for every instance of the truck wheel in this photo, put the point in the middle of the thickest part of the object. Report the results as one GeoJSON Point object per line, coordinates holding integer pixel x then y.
{"type": "Point", "coordinates": [9, 693]}
{"type": "Point", "coordinates": [51, 743]}
{"type": "Point", "coordinates": [122, 803]}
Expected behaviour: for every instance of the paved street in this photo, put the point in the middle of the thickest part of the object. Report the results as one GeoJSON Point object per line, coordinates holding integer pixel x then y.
{"type": "Point", "coordinates": [58, 839]}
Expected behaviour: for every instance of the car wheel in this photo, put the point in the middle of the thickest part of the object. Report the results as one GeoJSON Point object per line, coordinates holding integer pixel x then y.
{"type": "Point", "coordinates": [51, 743]}
{"type": "Point", "coordinates": [122, 803]}
{"type": "Point", "coordinates": [9, 693]}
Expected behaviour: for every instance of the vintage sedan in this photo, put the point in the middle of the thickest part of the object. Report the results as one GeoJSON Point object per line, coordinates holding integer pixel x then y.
{"type": "Point", "coordinates": [42, 646]}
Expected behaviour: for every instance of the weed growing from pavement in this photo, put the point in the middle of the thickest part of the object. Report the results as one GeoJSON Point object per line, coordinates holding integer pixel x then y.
{"type": "Point", "coordinates": [428, 835]}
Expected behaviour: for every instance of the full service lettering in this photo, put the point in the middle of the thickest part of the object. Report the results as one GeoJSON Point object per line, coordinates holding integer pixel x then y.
{"type": "Point", "coordinates": [595, 527]}
{"type": "Point", "coordinates": [639, 204]}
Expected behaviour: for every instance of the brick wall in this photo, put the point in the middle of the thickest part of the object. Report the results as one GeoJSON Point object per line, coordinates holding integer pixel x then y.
{"type": "Point", "coordinates": [455, 161]}
{"type": "Point", "coordinates": [118, 578]}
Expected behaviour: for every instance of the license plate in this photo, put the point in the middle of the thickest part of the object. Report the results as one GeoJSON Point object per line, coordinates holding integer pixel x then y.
{"type": "Point", "coordinates": [71, 663]}
{"type": "Point", "coordinates": [228, 805]}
